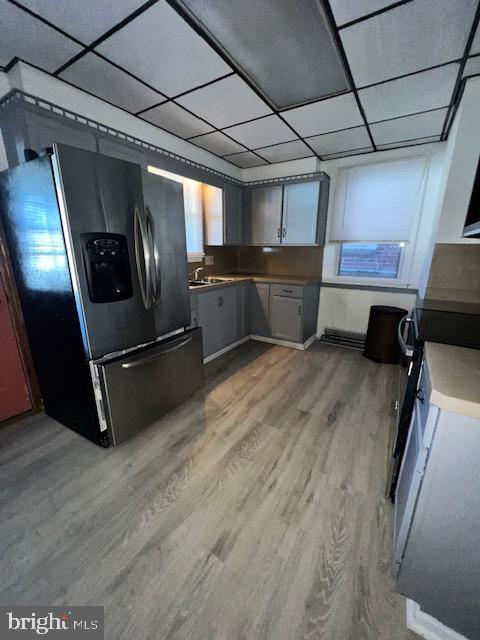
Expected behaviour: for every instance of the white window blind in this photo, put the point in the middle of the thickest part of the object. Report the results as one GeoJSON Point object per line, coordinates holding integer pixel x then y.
{"type": "Point", "coordinates": [192, 196]}
{"type": "Point", "coordinates": [193, 205]}
{"type": "Point", "coordinates": [377, 202]}
{"type": "Point", "coordinates": [213, 212]}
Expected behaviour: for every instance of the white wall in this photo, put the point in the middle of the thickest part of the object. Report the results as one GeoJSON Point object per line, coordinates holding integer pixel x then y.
{"type": "Point", "coordinates": [41, 85]}
{"type": "Point", "coordinates": [462, 155]}
{"type": "Point", "coordinates": [348, 309]}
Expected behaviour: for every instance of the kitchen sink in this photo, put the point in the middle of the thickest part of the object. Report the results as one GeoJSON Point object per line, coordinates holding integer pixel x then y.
{"type": "Point", "coordinates": [208, 280]}
{"type": "Point", "coordinates": [213, 280]}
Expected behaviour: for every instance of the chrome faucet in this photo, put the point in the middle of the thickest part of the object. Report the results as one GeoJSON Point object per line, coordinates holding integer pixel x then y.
{"type": "Point", "coordinates": [195, 273]}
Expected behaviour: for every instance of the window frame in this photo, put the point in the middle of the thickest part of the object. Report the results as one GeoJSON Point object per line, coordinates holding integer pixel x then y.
{"type": "Point", "coordinates": [408, 271]}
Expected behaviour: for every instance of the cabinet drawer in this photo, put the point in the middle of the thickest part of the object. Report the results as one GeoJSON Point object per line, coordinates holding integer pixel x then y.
{"type": "Point", "coordinates": [287, 290]}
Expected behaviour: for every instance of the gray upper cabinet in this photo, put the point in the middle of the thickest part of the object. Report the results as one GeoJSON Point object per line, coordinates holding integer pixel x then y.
{"type": "Point", "coordinates": [233, 214]}
{"type": "Point", "coordinates": [122, 151]}
{"type": "Point", "coordinates": [286, 318]}
{"type": "Point", "coordinates": [300, 213]}
{"type": "Point", "coordinates": [264, 211]}
{"type": "Point", "coordinates": [293, 213]}
{"type": "Point", "coordinates": [43, 131]}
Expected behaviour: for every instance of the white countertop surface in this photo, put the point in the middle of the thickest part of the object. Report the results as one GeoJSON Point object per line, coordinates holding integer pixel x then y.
{"type": "Point", "coordinates": [455, 376]}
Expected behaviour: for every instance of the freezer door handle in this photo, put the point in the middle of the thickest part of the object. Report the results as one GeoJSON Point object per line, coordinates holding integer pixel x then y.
{"type": "Point", "coordinates": [143, 258]}
{"type": "Point", "coordinates": [138, 363]}
{"type": "Point", "coordinates": [155, 262]}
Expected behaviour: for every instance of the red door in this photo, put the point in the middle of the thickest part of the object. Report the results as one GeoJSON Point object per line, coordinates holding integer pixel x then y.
{"type": "Point", "coordinates": [14, 396]}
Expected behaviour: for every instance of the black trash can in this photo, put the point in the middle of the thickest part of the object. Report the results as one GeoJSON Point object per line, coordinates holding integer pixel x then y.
{"type": "Point", "coordinates": [381, 344]}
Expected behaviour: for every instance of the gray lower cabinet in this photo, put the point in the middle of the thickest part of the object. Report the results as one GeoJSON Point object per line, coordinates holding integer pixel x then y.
{"type": "Point", "coordinates": [437, 516]}
{"type": "Point", "coordinates": [217, 315]}
{"type": "Point", "coordinates": [260, 309]}
{"type": "Point", "coordinates": [286, 318]}
{"type": "Point", "coordinates": [226, 315]}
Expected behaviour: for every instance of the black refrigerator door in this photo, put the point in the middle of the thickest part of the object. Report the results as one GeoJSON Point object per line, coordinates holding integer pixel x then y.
{"type": "Point", "coordinates": [166, 226]}
{"type": "Point", "coordinates": [110, 255]}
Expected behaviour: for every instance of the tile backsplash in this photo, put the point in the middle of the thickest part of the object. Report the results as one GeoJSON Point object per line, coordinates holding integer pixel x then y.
{"type": "Point", "coordinates": [455, 273]}
{"type": "Point", "coordinates": [281, 261]}
{"type": "Point", "coordinates": [292, 261]}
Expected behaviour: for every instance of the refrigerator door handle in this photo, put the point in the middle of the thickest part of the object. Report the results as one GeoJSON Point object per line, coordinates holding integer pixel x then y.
{"type": "Point", "coordinates": [138, 363]}
{"type": "Point", "coordinates": [143, 258]}
{"type": "Point", "coordinates": [156, 276]}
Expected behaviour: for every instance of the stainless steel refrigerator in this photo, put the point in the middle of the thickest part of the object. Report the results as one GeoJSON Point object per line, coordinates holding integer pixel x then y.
{"type": "Point", "coordinates": [98, 252]}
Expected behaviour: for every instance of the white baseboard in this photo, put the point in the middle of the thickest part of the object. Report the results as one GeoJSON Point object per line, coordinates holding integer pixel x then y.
{"type": "Point", "coordinates": [281, 343]}
{"type": "Point", "coordinates": [225, 349]}
{"type": "Point", "coordinates": [428, 627]}
{"type": "Point", "coordinates": [285, 343]}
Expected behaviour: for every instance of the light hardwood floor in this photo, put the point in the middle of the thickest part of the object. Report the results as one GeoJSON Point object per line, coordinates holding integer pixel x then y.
{"type": "Point", "coordinates": [254, 511]}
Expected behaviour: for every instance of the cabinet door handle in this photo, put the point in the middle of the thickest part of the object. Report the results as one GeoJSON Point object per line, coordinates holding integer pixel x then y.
{"type": "Point", "coordinates": [284, 233]}
{"type": "Point", "coordinates": [287, 291]}
{"type": "Point", "coordinates": [419, 395]}
{"type": "Point", "coordinates": [219, 301]}
{"type": "Point", "coordinates": [278, 232]}
{"type": "Point", "coordinates": [299, 309]}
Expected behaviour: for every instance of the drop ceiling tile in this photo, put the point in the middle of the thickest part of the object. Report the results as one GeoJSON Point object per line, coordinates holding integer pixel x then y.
{"type": "Point", "coordinates": [346, 154]}
{"type": "Point", "coordinates": [475, 48]}
{"type": "Point", "coordinates": [409, 128]}
{"type": "Point", "coordinates": [225, 102]}
{"type": "Point", "coordinates": [286, 151]}
{"type": "Point", "coordinates": [420, 92]}
{"type": "Point", "coordinates": [101, 78]}
{"type": "Point", "coordinates": [396, 145]}
{"type": "Point", "coordinates": [340, 112]}
{"type": "Point", "coordinates": [260, 133]}
{"type": "Point", "coordinates": [161, 49]}
{"type": "Point", "coordinates": [472, 67]}
{"type": "Point", "coordinates": [218, 143]}
{"type": "Point", "coordinates": [23, 36]}
{"type": "Point", "coordinates": [339, 141]}
{"type": "Point", "coordinates": [245, 160]}
{"type": "Point", "coordinates": [347, 11]}
{"type": "Point", "coordinates": [173, 118]}
{"type": "Point", "coordinates": [305, 66]}
{"type": "Point", "coordinates": [82, 18]}
{"type": "Point", "coordinates": [408, 38]}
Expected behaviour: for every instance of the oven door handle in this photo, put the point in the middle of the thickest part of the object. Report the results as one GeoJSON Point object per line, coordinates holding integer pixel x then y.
{"type": "Point", "coordinates": [406, 349]}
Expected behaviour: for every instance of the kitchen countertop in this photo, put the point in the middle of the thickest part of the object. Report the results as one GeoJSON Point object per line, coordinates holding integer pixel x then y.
{"type": "Point", "coordinates": [455, 377]}
{"type": "Point", "coordinates": [234, 278]}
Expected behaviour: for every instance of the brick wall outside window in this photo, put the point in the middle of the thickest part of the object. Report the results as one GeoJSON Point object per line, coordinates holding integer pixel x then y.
{"type": "Point", "coordinates": [373, 260]}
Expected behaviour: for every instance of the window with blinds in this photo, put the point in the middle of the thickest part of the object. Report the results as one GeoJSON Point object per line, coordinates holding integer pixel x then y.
{"type": "Point", "coordinates": [378, 202]}
{"type": "Point", "coordinates": [374, 216]}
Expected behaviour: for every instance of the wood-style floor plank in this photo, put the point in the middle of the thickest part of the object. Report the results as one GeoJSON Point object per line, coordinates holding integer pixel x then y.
{"type": "Point", "coordinates": [254, 511]}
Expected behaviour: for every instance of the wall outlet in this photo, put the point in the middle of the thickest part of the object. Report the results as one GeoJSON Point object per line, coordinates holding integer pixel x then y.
{"type": "Point", "coordinates": [208, 261]}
